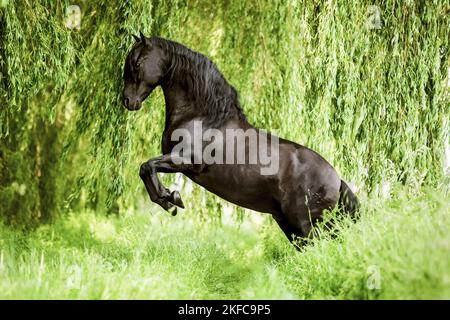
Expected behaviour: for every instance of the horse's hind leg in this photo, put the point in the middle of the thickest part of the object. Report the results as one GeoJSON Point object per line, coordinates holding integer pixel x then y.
{"type": "Point", "coordinates": [293, 234]}
{"type": "Point", "coordinates": [300, 218]}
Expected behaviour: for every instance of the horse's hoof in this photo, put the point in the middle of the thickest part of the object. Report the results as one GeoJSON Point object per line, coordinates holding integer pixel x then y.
{"type": "Point", "coordinates": [173, 211]}
{"type": "Point", "coordinates": [175, 195]}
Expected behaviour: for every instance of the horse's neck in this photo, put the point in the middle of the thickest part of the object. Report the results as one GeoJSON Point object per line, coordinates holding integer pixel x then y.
{"type": "Point", "coordinates": [179, 106]}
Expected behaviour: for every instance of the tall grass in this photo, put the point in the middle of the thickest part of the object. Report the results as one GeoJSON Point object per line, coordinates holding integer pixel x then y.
{"type": "Point", "coordinates": [398, 249]}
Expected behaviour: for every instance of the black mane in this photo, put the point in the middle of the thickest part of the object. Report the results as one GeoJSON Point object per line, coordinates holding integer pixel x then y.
{"type": "Point", "coordinates": [216, 98]}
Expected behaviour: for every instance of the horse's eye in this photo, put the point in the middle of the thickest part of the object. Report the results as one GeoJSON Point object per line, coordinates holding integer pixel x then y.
{"type": "Point", "coordinates": [138, 64]}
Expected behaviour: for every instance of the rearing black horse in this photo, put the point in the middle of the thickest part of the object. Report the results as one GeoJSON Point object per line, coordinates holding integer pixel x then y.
{"type": "Point", "coordinates": [296, 195]}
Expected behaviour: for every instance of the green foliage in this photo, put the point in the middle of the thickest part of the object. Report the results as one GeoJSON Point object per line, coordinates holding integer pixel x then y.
{"type": "Point", "coordinates": [372, 102]}
{"type": "Point", "coordinates": [398, 250]}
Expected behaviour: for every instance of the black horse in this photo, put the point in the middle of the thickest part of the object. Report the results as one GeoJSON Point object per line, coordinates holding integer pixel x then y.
{"type": "Point", "coordinates": [296, 194]}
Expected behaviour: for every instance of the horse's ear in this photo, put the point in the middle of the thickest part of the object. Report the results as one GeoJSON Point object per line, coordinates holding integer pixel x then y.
{"type": "Point", "coordinates": [136, 38]}
{"type": "Point", "coordinates": [143, 38]}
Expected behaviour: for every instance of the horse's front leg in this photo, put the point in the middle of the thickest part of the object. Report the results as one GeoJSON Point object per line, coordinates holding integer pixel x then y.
{"type": "Point", "coordinates": [167, 164]}
{"type": "Point", "coordinates": [154, 187]}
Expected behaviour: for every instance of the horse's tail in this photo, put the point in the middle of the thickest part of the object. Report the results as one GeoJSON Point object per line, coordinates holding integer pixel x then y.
{"type": "Point", "coordinates": [348, 201]}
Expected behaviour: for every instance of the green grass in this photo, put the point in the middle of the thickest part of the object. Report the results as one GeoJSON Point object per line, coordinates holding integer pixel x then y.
{"type": "Point", "coordinates": [400, 247]}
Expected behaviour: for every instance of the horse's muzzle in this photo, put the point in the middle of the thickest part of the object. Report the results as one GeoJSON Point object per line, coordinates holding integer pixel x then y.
{"type": "Point", "coordinates": [132, 105]}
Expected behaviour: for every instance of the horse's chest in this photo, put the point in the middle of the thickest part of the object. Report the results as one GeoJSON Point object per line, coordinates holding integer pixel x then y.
{"type": "Point", "coordinates": [167, 142]}
{"type": "Point", "coordinates": [175, 133]}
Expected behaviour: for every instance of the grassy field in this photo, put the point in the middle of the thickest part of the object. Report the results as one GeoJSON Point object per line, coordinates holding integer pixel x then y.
{"type": "Point", "coordinates": [399, 249]}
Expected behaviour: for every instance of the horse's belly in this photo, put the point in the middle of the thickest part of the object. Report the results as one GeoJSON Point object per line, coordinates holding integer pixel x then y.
{"type": "Point", "coordinates": [240, 184]}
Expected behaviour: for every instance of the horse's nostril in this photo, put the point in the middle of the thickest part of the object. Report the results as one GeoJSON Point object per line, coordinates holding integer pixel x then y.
{"type": "Point", "coordinates": [126, 101]}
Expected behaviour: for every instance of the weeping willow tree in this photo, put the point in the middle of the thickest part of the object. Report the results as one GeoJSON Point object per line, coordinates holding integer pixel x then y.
{"type": "Point", "coordinates": [372, 100]}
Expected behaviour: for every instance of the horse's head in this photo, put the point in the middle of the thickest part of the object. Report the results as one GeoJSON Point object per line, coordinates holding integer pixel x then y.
{"type": "Point", "coordinates": [143, 72]}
